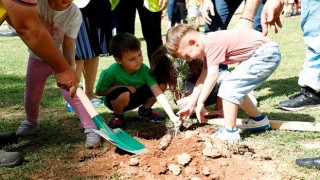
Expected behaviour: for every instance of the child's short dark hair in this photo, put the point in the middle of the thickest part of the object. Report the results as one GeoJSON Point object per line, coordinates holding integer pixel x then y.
{"type": "Point", "coordinates": [124, 42]}
{"type": "Point", "coordinates": [174, 36]}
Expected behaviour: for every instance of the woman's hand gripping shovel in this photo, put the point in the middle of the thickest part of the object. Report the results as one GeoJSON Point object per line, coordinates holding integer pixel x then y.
{"type": "Point", "coordinates": [117, 136]}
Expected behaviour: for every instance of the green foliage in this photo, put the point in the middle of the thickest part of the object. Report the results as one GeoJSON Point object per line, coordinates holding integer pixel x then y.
{"type": "Point", "coordinates": [182, 68]}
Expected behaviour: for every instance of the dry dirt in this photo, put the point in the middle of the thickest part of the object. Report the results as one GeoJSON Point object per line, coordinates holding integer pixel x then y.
{"type": "Point", "coordinates": [192, 154]}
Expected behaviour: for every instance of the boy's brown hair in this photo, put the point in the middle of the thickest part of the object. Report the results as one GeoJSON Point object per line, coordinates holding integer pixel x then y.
{"type": "Point", "coordinates": [124, 42]}
{"type": "Point", "coordinates": [174, 37]}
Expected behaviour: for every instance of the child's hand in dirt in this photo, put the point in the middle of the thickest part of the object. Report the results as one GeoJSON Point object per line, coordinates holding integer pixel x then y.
{"type": "Point", "coordinates": [201, 112]}
{"type": "Point", "coordinates": [177, 122]}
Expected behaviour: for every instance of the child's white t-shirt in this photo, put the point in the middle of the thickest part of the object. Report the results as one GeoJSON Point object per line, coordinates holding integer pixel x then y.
{"type": "Point", "coordinates": [63, 23]}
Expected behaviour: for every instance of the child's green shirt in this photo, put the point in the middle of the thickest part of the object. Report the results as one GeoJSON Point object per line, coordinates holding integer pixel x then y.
{"type": "Point", "coordinates": [115, 75]}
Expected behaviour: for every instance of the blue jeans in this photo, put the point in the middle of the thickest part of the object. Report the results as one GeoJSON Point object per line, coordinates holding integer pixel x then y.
{"type": "Point", "coordinates": [224, 10]}
{"type": "Point", "coordinates": [250, 73]}
{"type": "Point", "coordinates": [310, 24]}
{"type": "Point", "coordinates": [170, 9]}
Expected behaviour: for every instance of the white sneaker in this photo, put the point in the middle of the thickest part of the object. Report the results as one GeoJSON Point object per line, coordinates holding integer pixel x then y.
{"type": "Point", "coordinates": [93, 139]}
{"type": "Point", "coordinates": [252, 125]}
{"type": "Point", "coordinates": [224, 135]}
{"type": "Point", "coordinates": [27, 128]}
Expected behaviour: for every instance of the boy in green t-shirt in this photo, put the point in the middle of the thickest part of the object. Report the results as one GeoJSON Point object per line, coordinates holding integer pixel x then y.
{"type": "Point", "coordinates": [128, 84]}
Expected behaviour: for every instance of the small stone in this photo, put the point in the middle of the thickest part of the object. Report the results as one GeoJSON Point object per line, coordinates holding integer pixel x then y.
{"type": "Point", "coordinates": [210, 152]}
{"type": "Point", "coordinates": [175, 169]}
{"type": "Point", "coordinates": [165, 141]}
{"type": "Point", "coordinates": [190, 171]}
{"type": "Point", "coordinates": [134, 162]}
{"type": "Point", "coordinates": [183, 158]}
{"type": "Point", "coordinates": [195, 178]}
{"type": "Point", "coordinates": [206, 171]}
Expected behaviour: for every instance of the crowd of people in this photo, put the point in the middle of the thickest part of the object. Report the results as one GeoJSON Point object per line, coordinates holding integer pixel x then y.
{"type": "Point", "coordinates": [75, 38]}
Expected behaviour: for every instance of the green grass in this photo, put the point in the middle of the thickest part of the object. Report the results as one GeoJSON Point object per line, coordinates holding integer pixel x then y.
{"type": "Point", "coordinates": [51, 154]}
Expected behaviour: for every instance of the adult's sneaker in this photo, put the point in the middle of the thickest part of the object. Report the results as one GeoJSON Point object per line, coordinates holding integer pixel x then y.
{"type": "Point", "coordinates": [224, 135]}
{"type": "Point", "coordinates": [304, 99]}
{"type": "Point", "coordinates": [10, 159]}
{"type": "Point", "coordinates": [309, 162]}
{"type": "Point", "coordinates": [255, 126]}
{"type": "Point", "coordinates": [27, 128]}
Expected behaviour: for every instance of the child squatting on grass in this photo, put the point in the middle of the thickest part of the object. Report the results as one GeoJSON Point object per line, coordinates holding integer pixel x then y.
{"type": "Point", "coordinates": [63, 21]}
{"type": "Point", "coordinates": [165, 69]}
{"type": "Point", "coordinates": [128, 84]}
{"type": "Point", "coordinates": [258, 57]}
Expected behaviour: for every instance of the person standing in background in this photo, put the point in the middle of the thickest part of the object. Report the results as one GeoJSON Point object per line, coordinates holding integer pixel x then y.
{"type": "Point", "coordinates": [309, 77]}
{"type": "Point", "coordinates": [92, 41]}
{"type": "Point", "coordinates": [150, 17]}
{"type": "Point", "coordinates": [8, 32]}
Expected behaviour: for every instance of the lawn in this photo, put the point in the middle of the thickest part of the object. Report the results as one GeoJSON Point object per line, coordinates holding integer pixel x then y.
{"type": "Point", "coordinates": [59, 144]}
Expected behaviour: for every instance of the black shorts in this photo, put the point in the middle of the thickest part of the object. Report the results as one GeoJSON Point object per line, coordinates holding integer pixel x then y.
{"type": "Point", "coordinates": [138, 98]}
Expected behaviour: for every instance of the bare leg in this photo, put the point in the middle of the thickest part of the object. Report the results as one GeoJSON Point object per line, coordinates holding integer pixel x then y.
{"type": "Point", "coordinates": [89, 73]}
{"type": "Point", "coordinates": [79, 68]}
{"type": "Point", "coordinates": [149, 103]}
{"type": "Point", "coordinates": [120, 103]}
{"type": "Point", "coordinates": [249, 107]}
{"type": "Point", "coordinates": [230, 111]}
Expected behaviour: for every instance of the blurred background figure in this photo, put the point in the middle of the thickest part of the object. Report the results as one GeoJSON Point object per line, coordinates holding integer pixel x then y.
{"type": "Point", "coordinates": [291, 8]}
{"type": "Point", "coordinates": [8, 32]}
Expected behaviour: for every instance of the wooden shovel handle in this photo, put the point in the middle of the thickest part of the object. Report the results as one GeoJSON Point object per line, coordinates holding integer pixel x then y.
{"type": "Point", "coordinates": [86, 103]}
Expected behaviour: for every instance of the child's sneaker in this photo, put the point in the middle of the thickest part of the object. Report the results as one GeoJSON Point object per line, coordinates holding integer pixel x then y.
{"type": "Point", "coordinates": [150, 115]}
{"type": "Point", "coordinates": [93, 139]}
{"type": "Point", "coordinates": [226, 135]}
{"type": "Point", "coordinates": [69, 107]}
{"type": "Point", "coordinates": [96, 102]}
{"type": "Point", "coordinates": [117, 121]}
{"type": "Point", "coordinates": [27, 128]}
{"type": "Point", "coordinates": [254, 126]}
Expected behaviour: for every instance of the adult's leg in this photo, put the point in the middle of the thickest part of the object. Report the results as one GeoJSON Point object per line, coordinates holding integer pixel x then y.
{"type": "Point", "coordinates": [257, 17]}
{"type": "Point", "coordinates": [151, 29]}
{"type": "Point", "coordinates": [224, 10]}
{"type": "Point", "coordinates": [125, 12]}
{"type": "Point", "coordinates": [170, 9]}
{"type": "Point", "coordinates": [182, 11]}
{"type": "Point", "coordinates": [309, 77]}
{"type": "Point", "coordinates": [310, 73]}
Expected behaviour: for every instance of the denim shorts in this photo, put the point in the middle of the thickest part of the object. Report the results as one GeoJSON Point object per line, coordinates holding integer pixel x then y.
{"type": "Point", "coordinates": [250, 73]}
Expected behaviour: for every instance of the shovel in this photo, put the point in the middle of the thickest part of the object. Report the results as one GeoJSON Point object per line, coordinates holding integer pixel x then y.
{"type": "Point", "coordinates": [117, 136]}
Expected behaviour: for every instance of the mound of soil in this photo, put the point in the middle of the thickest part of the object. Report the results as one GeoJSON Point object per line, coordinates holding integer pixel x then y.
{"type": "Point", "coordinates": [192, 154]}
